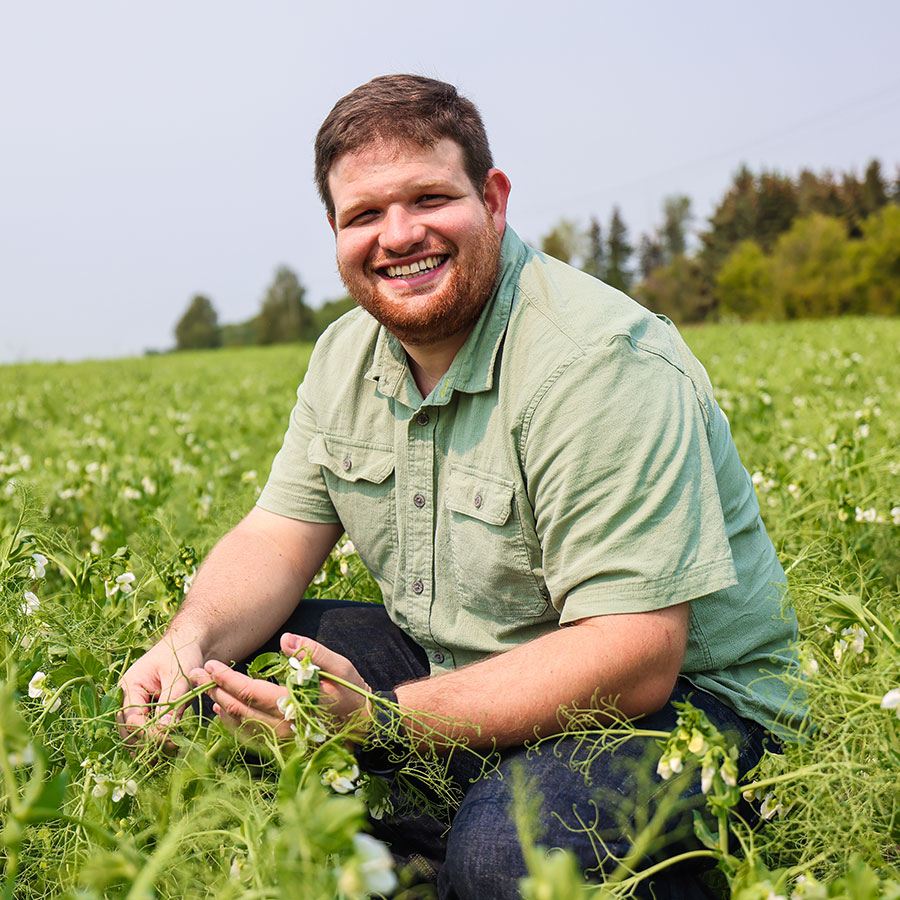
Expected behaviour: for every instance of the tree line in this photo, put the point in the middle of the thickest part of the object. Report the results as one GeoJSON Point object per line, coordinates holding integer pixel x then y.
{"type": "Point", "coordinates": [283, 317]}
{"type": "Point", "coordinates": [775, 247]}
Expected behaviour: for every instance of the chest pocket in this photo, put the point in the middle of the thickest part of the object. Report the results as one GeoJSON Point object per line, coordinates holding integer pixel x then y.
{"type": "Point", "coordinates": [359, 477]}
{"type": "Point", "coordinates": [491, 565]}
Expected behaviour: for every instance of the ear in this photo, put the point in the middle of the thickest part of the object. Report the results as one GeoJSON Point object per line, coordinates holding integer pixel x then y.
{"type": "Point", "coordinates": [331, 223]}
{"type": "Point", "coordinates": [495, 195]}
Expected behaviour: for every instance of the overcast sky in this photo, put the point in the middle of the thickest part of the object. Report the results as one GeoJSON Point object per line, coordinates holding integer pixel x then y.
{"type": "Point", "coordinates": [151, 151]}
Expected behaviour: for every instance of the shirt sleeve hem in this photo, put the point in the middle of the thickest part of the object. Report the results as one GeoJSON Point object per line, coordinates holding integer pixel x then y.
{"type": "Point", "coordinates": [275, 502]}
{"type": "Point", "coordinates": [601, 598]}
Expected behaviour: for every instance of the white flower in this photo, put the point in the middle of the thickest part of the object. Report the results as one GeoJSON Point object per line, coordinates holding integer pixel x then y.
{"type": "Point", "coordinates": [38, 570]}
{"type": "Point", "coordinates": [320, 578]}
{"type": "Point", "coordinates": [706, 778]}
{"type": "Point", "coordinates": [248, 476]}
{"type": "Point", "coordinates": [124, 582]}
{"type": "Point", "coordinates": [371, 871]}
{"type": "Point", "coordinates": [37, 685]}
{"type": "Point", "coordinates": [341, 782]}
{"type": "Point", "coordinates": [770, 807]}
{"type": "Point", "coordinates": [344, 566]}
{"type": "Point", "coordinates": [895, 515]}
{"type": "Point", "coordinates": [149, 485]}
{"type": "Point", "coordinates": [852, 640]}
{"type": "Point", "coordinates": [346, 548]}
{"type": "Point", "coordinates": [25, 758]}
{"type": "Point", "coordinates": [124, 787]}
{"type": "Point", "coordinates": [32, 602]}
{"type": "Point", "coordinates": [697, 744]}
{"type": "Point", "coordinates": [304, 668]}
{"type": "Point", "coordinates": [101, 788]}
{"type": "Point", "coordinates": [891, 700]}
{"type": "Point", "coordinates": [287, 707]}
{"type": "Point", "coordinates": [130, 493]}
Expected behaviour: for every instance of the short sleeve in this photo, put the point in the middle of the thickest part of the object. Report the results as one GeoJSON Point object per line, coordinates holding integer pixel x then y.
{"type": "Point", "coordinates": [622, 484]}
{"type": "Point", "coordinates": [295, 486]}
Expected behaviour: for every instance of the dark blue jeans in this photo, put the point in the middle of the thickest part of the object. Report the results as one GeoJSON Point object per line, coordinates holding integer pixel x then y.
{"type": "Point", "coordinates": [480, 857]}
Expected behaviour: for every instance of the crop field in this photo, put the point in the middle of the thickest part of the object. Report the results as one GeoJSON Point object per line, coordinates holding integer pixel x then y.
{"type": "Point", "coordinates": [116, 478]}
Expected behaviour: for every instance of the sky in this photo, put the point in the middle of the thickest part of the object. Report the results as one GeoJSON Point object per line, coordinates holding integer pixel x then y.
{"type": "Point", "coordinates": [153, 151]}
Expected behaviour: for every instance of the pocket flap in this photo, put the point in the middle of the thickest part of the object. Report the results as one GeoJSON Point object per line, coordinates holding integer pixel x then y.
{"type": "Point", "coordinates": [483, 497]}
{"type": "Point", "coordinates": [351, 460]}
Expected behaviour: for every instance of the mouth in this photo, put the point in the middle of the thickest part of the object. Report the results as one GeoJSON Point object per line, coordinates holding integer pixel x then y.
{"type": "Point", "coordinates": [417, 269]}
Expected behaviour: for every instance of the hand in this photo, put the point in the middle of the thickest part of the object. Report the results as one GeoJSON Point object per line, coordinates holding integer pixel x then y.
{"type": "Point", "coordinates": [249, 706]}
{"type": "Point", "coordinates": [339, 700]}
{"type": "Point", "coordinates": [158, 678]}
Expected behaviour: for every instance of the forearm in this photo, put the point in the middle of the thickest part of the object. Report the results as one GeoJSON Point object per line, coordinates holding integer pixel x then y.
{"type": "Point", "coordinates": [628, 661]}
{"type": "Point", "coordinates": [249, 584]}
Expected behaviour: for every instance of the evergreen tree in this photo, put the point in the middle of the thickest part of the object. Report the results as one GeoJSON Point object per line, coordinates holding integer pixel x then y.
{"type": "Point", "coordinates": [676, 216]}
{"type": "Point", "coordinates": [198, 328]}
{"type": "Point", "coordinates": [564, 241]}
{"type": "Point", "coordinates": [650, 255]}
{"type": "Point", "coordinates": [284, 315]}
{"type": "Point", "coordinates": [595, 255]}
{"type": "Point", "coordinates": [618, 252]}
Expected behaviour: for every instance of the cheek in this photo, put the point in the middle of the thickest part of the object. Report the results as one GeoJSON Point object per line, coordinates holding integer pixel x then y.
{"type": "Point", "coordinates": [352, 250]}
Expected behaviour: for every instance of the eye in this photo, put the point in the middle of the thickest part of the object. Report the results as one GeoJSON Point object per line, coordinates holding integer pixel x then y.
{"type": "Point", "coordinates": [431, 200]}
{"type": "Point", "coordinates": [363, 217]}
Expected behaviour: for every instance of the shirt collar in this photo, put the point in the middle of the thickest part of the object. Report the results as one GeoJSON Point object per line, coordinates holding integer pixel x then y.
{"type": "Point", "coordinates": [472, 369]}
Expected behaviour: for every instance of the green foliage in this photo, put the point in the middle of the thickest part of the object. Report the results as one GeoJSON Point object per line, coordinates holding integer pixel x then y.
{"type": "Point", "coordinates": [618, 253]}
{"type": "Point", "coordinates": [284, 316]}
{"type": "Point", "coordinates": [564, 241]}
{"type": "Point", "coordinates": [198, 328]}
{"type": "Point", "coordinates": [877, 262]}
{"type": "Point", "coordinates": [744, 284]}
{"type": "Point", "coordinates": [115, 478]}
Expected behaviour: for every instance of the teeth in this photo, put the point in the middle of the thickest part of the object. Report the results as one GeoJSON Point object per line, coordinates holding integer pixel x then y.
{"type": "Point", "coordinates": [430, 262]}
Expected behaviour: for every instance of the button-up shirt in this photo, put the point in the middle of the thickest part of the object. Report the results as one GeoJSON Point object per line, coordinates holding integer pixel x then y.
{"type": "Point", "coordinates": [571, 462]}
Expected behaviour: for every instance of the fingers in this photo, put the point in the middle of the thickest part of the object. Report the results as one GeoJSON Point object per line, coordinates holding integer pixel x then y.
{"type": "Point", "coordinates": [238, 699]}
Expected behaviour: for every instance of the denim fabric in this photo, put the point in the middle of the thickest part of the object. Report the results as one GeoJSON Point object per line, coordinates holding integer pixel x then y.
{"type": "Point", "coordinates": [480, 856]}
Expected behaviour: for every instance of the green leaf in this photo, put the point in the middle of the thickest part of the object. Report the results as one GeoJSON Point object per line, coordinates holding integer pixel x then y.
{"type": "Point", "coordinates": [702, 832]}
{"type": "Point", "coordinates": [49, 802]}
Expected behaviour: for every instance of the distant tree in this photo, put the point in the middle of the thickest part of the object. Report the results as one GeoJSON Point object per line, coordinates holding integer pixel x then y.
{"type": "Point", "coordinates": [564, 241]}
{"type": "Point", "coordinates": [198, 328]}
{"type": "Point", "coordinates": [650, 255]}
{"type": "Point", "coordinates": [813, 270]}
{"type": "Point", "coordinates": [331, 310]}
{"type": "Point", "coordinates": [877, 261]}
{"type": "Point", "coordinates": [744, 285]}
{"type": "Point", "coordinates": [284, 315]}
{"type": "Point", "coordinates": [874, 188]}
{"type": "Point", "coordinates": [676, 217]}
{"type": "Point", "coordinates": [618, 253]}
{"type": "Point", "coordinates": [677, 290]}
{"type": "Point", "coordinates": [594, 262]}
{"type": "Point", "coordinates": [239, 334]}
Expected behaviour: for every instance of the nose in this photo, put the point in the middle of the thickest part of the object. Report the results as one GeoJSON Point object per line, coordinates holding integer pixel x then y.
{"type": "Point", "coordinates": [400, 231]}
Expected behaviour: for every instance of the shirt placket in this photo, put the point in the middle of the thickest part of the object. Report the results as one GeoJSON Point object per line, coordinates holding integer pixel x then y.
{"type": "Point", "coordinates": [416, 493]}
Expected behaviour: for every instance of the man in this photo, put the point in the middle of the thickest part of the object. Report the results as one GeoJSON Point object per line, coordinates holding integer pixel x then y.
{"type": "Point", "coordinates": [534, 470]}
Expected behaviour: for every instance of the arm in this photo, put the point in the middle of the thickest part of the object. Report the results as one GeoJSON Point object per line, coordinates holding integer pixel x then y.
{"type": "Point", "coordinates": [245, 589]}
{"type": "Point", "coordinates": [631, 660]}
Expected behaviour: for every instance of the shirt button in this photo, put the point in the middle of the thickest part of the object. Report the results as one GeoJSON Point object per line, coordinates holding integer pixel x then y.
{"type": "Point", "coordinates": [422, 419]}
{"type": "Point", "coordinates": [417, 586]}
{"type": "Point", "coordinates": [419, 500]}
{"type": "Point", "coordinates": [347, 464]}
{"type": "Point", "coordinates": [478, 501]}
{"type": "Point", "coordinates": [437, 656]}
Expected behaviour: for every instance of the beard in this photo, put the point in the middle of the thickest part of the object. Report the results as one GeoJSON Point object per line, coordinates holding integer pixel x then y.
{"type": "Point", "coordinates": [429, 315]}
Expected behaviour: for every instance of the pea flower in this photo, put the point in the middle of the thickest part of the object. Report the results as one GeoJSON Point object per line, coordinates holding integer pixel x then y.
{"type": "Point", "coordinates": [124, 787]}
{"type": "Point", "coordinates": [25, 758]}
{"type": "Point", "coordinates": [32, 602]}
{"type": "Point", "coordinates": [852, 640]}
{"type": "Point", "coordinates": [770, 807]}
{"type": "Point", "coordinates": [369, 871]}
{"type": "Point", "coordinates": [287, 707]}
{"type": "Point", "coordinates": [37, 688]}
{"type": "Point", "coordinates": [891, 700]}
{"type": "Point", "coordinates": [343, 781]}
{"type": "Point", "coordinates": [304, 669]}
{"type": "Point", "coordinates": [38, 570]}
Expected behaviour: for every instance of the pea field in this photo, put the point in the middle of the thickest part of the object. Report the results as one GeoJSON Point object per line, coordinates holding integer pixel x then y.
{"type": "Point", "coordinates": [117, 477]}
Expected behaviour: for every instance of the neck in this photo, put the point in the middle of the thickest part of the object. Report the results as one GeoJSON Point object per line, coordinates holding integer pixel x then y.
{"type": "Point", "coordinates": [429, 363]}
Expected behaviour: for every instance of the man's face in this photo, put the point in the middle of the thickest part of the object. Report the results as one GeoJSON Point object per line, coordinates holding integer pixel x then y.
{"type": "Point", "coordinates": [417, 245]}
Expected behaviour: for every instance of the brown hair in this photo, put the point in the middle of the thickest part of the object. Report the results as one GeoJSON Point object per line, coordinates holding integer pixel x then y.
{"type": "Point", "coordinates": [405, 109]}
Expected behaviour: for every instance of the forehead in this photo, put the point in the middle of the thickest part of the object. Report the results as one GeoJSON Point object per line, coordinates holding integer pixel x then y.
{"type": "Point", "coordinates": [383, 166]}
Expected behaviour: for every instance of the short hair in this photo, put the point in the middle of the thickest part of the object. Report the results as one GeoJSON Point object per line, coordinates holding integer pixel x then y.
{"type": "Point", "coordinates": [402, 109]}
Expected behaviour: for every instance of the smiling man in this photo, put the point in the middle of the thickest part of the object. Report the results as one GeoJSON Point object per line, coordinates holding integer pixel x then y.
{"type": "Point", "coordinates": [534, 470]}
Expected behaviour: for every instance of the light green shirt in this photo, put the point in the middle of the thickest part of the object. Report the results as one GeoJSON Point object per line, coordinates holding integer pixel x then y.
{"type": "Point", "coordinates": [572, 462]}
